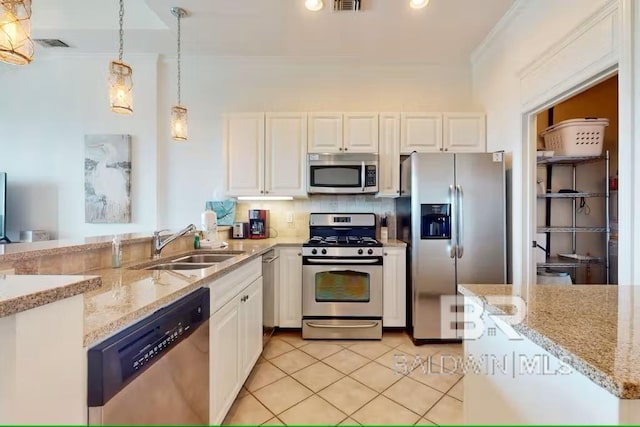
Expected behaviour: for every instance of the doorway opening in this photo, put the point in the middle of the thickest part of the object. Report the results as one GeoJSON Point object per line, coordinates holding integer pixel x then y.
{"type": "Point", "coordinates": [576, 197]}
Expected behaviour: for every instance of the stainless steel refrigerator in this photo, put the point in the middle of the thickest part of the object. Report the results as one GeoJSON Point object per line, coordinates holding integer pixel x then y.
{"type": "Point", "coordinates": [452, 214]}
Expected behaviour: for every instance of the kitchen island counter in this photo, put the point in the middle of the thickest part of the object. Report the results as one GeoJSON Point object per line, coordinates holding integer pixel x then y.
{"type": "Point", "coordinates": [591, 333]}
{"type": "Point", "coordinates": [21, 293]}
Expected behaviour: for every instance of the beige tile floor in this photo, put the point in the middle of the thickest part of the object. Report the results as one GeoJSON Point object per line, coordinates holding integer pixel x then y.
{"type": "Point", "coordinates": [302, 382]}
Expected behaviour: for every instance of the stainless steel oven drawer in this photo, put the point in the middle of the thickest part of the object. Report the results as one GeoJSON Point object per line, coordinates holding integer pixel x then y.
{"type": "Point", "coordinates": [352, 328]}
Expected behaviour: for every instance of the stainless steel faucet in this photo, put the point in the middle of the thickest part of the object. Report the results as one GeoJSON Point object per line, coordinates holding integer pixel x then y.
{"type": "Point", "coordinates": [159, 242]}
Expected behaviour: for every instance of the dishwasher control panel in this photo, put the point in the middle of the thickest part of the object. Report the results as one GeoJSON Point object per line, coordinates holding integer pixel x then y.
{"type": "Point", "coordinates": [148, 352]}
{"type": "Point", "coordinates": [116, 361]}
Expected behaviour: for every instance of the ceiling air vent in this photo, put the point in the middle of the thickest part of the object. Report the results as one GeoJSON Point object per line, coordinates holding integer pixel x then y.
{"type": "Point", "coordinates": [51, 43]}
{"type": "Point", "coordinates": [340, 5]}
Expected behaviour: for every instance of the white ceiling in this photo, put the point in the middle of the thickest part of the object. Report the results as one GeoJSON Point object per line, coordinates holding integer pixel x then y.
{"type": "Point", "coordinates": [446, 31]}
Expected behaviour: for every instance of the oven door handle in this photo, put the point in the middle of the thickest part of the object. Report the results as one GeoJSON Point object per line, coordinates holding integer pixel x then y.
{"type": "Point", "coordinates": [341, 261]}
{"type": "Point", "coordinates": [349, 326]}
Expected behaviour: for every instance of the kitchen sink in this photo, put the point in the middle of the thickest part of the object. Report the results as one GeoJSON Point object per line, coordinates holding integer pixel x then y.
{"type": "Point", "coordinates": [190, 262]}
{"type": "Point", "coordinates": [204, 258]}
{"type": "Point", "coordinates": [178, 266]}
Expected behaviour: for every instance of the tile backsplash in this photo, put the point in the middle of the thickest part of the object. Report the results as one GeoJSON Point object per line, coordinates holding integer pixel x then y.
{"type": "Point", "coordinates": [300, 209]}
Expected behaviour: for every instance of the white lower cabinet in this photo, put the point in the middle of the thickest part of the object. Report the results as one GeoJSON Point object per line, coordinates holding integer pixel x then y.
{"type": "Point", "coordinates": [235, 341]}
{"type": "Point", "coordinates": [250, 328]}
{"type": "Point", "coordinates": [290, 288]}
{"type": "Point", "coordinates": [224, 347]}
{"type": "Point", "coordinates": [394, 282]}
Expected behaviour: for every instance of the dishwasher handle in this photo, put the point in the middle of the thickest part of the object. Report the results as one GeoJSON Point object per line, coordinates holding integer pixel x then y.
{"type": "Point", "coordinates": [269, 260]}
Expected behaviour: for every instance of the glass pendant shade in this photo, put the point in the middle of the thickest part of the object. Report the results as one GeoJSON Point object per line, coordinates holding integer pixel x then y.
{"type": "Point", "coordinates": [313, 5]}
{"type": "Point", "coordinates": [418, 4]}
{"type": "Point", "coordinates": [16, 46]}
{"type": "Point", "coordinates": [120, 87]}
{"type": "Point", "coordinates": [178, 123]}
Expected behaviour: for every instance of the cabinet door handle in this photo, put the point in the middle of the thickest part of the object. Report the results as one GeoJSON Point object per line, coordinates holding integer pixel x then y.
{"type": "Point", "coordinates": [446, 149]}
{"type": "Point", "coordinates": [340, 148]}
{"type": "Point", "coordinates": [299, 254]}
{"type": "Point", "coordinates": [261, 192]}
{"type": "Point", "coordinates": [441, 149]}
{"type": "Point", "coordinates": [345, 148]}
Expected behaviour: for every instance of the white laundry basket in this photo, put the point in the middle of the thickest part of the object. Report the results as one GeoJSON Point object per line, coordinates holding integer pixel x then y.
{"type": "Point", "coordinates": [576, 137]}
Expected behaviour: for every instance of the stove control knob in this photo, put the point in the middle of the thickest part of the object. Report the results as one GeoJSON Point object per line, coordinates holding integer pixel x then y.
{"type": "Point", "coordinates": [324, 252]}
{"type": "Point", "coordinates": [370, 251]}
{"type": "Point", "coordinates": [359, 251]}
{"type": "Point", "coordinates": [314, 251]}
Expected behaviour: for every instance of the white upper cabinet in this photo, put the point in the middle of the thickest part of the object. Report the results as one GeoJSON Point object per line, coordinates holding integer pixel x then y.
{"type": "Point", "coordinates": [440, 132]}
{"type": "Point", "coordinates": [343, 132]}
{"type": "Point", "coordinates": [464, 132]}
{"type": "Point", "coordinates": [389, 156]}
{"type": "Point", "coordinates": [421, 132]}
{"type": "Point", "coordinates": [244, 153]}
{"type": "Point", "coordinates": [286, 154]}
{"type": "Point", "coordinates": [325, 132]}
{"type": "Point", "coordinates": [273, 164]}
{"type": "Point", "coordinates": [360, 132]}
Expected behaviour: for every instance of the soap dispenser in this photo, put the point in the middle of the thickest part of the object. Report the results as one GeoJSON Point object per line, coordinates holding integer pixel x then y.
{"type": "Point", "coordinates": [116, 252]}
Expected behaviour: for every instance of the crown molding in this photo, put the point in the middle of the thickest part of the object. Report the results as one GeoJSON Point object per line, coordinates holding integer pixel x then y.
{"type": "Point", "coordinates": [497, 29]}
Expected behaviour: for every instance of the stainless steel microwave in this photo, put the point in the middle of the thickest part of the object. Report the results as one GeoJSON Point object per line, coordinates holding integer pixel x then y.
{"type": "Point", "coordinates": [351, 173]}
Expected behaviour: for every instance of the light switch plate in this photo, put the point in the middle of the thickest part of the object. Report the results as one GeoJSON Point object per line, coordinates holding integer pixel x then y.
{"type": "Point", "coordinates": [289, 217]}
{"type": "Point", "coordinates": [497, 157]}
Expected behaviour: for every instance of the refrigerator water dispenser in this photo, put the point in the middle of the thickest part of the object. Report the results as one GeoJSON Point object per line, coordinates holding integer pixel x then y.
{"type": "Point", "coordinates": [436, 221]}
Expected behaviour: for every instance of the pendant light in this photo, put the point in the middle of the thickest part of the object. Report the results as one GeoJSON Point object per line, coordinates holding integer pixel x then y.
{"type": "Point", "coordinates": [179, 111]}
{"type": "Point", "coordinates": [418, 4]}
{"type": "Point", "coordinates": [16, 46]}
{"type": "Point", "coordinates": [313, 5]}
{"type": "Point", "coordinates": [120, 78]}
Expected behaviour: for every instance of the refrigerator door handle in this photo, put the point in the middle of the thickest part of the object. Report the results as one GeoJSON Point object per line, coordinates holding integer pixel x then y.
{"type": "Point", "coordinates": [453, 248]}
{"type": "Point", "coordinates": [460, 221]}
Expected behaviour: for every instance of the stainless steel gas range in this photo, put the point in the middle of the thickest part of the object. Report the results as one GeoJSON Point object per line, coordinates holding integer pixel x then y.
{"type": "Point", "coordinates": [342, 278]}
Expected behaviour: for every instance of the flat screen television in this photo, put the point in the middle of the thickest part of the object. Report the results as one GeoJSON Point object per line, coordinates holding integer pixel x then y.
{"type": "Point", "coordinates": [3, 208]}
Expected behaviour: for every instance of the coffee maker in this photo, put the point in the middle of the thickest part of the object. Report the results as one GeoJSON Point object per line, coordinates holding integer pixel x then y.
{"type": "Point", "coordinates": [258, 223]}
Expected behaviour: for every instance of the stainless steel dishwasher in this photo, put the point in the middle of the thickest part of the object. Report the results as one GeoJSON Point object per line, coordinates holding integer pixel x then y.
{"type": "Point", "coordinates": [156, 371]}
{"type": "Point", "coordinates": [268, 295]}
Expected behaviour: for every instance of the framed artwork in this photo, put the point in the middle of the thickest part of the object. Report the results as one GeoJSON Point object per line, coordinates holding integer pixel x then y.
{"type": "Point", "coordinates": [225, 210]}
{"type": "Point", "coordinates": [107, 179]}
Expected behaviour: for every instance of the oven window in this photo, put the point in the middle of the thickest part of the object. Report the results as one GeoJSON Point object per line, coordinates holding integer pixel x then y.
{"type": "Point", "coordinates": [336, 176]}
{"type": "Point", "coordinates": [342, 286]}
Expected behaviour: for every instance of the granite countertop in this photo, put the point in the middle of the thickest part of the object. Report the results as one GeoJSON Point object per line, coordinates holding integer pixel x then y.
{"type": "Point", "coordinates": [594, 328]}
{"type": "Point", "coordinates": [25, 251]}
{"type": "Point", "coordinates": [20, 293]}
{"type": "Point", "coordinates": [128, 294]}
{"type": "Point", "coordinates": [395, 243]}
{"type": "Point", "coordinates": [114, 298]}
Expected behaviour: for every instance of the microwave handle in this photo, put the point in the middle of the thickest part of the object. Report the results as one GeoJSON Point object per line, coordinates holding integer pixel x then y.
{"type": "Point", "coordinates": [362, 176]}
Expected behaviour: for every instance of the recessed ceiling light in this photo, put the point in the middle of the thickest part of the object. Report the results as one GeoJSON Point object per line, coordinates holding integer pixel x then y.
{"type": "Point", "coordinates": [418, 4]}
{"type": "Point", "coordinates": [313, 5]}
